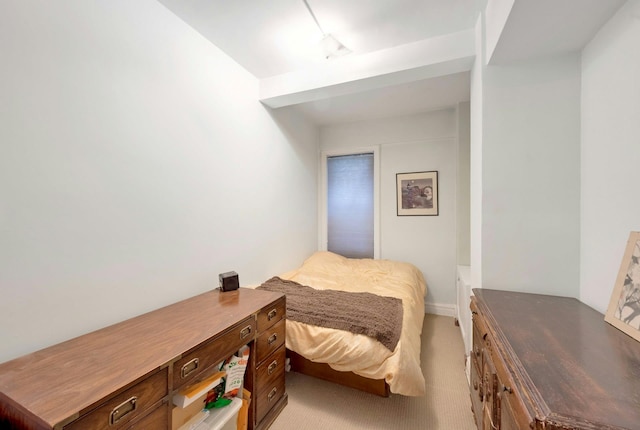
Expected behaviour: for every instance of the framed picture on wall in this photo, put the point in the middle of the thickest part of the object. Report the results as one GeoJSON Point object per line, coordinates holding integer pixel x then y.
{"type": "Point", "coordinates": [417, 193]}
{"type": "Point", "coordinates": [624, 308]}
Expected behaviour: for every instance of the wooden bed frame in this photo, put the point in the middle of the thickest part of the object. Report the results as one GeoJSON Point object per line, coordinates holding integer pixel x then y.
{"type": "Point", "coordinates": [324, 371]}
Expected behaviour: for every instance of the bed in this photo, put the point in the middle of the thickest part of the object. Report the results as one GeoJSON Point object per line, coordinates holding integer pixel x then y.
{"type": "Point", "coordinates": [354, 359]}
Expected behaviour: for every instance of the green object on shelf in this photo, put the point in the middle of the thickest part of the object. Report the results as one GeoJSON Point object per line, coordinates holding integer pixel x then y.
{"type": "Point", "coordinates": [219, 403]}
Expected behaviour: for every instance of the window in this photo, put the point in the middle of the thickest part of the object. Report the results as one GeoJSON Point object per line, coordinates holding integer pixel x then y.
{"type": "Point", "coordinates": [350, 202]}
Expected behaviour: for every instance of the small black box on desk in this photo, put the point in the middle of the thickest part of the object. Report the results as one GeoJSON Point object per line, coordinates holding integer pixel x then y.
{"type": "Point", "coordinates": [229, 281]}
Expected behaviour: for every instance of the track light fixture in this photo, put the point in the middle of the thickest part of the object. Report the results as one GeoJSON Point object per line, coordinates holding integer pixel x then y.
{"type": "Point", "coordinates": [331, 46]}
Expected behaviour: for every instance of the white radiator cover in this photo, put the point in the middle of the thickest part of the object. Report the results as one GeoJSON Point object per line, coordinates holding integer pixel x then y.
{"type": "Point", "coordinates": [463, 287]}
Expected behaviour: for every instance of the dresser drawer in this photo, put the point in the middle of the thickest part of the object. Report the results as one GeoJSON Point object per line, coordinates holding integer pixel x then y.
{"type": "Point", "coordinates": [510, 402]}
{"type": "Point", "coordinates": [268, 396]}
{"type": "Point", "coordinates": [121, 409]}
{"type": "Point", "coordinates": [476, 392]}
{"type": "Point", "coordinates": [489, 387]}
{"type": "Point", "coordinates": [270, 340]}
{"type": "Point", "coordinates": [479, 334]}
{"type": "Point", "coordinates": [477, 347]}
{"type": "Point", "coordinates": [193, 364]}
{"type": "Point", "coordinates": [271, 314]}
{"type": "Point", "coordinates": [271, 369]}
{"type": "Point", "coordinates": [511, 417]}
{"type": "Point", "coordinates": [476, 379]}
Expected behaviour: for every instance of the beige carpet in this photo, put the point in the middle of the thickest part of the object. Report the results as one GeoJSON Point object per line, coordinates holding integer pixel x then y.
{"type": "Point", "coordinates": [315, 404]}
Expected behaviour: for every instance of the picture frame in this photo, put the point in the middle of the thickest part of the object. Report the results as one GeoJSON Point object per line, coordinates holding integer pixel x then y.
{"type": "Point", "coordinates": [417, 193]}
{"type": "Point", "coordinates": [624, 307]}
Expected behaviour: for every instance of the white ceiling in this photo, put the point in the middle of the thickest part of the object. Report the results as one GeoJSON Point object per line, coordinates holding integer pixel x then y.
{"type": "Point", "coordinates": [538, 28]}
{"type": "Point", "coordinates": [396, 100]}
{"type": "Point", "coordinates": [277, 37]}
{"type": "Point", "coordinates": [272, 37]}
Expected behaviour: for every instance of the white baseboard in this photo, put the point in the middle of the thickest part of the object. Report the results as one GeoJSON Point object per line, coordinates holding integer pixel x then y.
{"type": "Point", "coordinates": [440, 309]}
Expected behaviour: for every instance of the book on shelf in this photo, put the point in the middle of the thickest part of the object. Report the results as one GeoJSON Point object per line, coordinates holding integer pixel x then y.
{"type": "Point", "coordinates": [188, 395]}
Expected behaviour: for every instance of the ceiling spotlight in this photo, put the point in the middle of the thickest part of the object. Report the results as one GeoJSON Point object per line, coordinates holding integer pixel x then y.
{"type": "Point", "coordinates": [331, 46]}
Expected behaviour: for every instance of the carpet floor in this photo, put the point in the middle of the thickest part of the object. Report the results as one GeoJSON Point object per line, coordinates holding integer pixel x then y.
{"type": "Point", "coordinates": [316, 404]}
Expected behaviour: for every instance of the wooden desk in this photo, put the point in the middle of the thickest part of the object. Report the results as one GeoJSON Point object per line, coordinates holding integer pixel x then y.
{"type": "Point", "coordinates": [546, 362]}
{"type": "Point", "coordinates": [124, 376]}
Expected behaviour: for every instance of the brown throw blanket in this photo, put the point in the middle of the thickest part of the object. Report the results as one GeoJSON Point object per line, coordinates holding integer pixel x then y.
{"type": "Point", "coordinates": [361, 313]}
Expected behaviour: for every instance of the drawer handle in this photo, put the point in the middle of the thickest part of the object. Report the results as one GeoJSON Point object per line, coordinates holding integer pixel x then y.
{"type": "Point", "coordinates": [272, 314]}
{"type": "Point", "coordinates": [245, 332]}
{"type": "Point", "coordinates": [272, 394]}
{"type": "Point", "coordinates": [189, 367]}
{"type": "Point", "coordinates": [272, 338]}
{"type": "Point", "coordinates": [272, 367]}
{"type": "Point", "coordinates": [122, 410]}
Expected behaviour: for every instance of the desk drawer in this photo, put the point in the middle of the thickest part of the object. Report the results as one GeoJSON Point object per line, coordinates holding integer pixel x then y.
{"type": "Point", "coordinates": [212, 352]}
{"type": "Point", "coordinates": [268, 396]}
{"type": "Point", "coordinates": [158, 419]}
{"type": "Point", "coordinates": [271, 314]}
{"type": "Point", "coordinates": [270, 340]}
{"type": "Point", "coordinates": [121, 409]}
{"type": "Point", "coordinates": [271, 369]}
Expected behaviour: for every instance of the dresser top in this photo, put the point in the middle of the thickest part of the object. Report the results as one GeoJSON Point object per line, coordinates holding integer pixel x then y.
{"type": "Point", "coordinates": [57, 382]}
{"type": "Point", "coordinates": [574, 366]}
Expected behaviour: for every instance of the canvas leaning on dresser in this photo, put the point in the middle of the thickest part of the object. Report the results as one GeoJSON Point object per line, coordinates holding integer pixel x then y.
{"type": "Point", "coordinates": [125, 376]}
{"type": "Point", "coordinates": [547, 362]}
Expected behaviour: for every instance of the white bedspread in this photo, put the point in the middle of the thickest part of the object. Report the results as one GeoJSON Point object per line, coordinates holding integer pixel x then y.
{"type": "Point", "coordinates": [360, 354]}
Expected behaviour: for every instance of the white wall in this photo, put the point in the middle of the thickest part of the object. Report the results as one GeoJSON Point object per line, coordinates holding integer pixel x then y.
{"type": "Point", "coordinates": [475, 161]}
{"type": "Point", "coordinates": [496, 14]}
{"type": "Point", "coordinates": [136, 164]}
{"type": "Point", "coordinates": [610, 207]}
{"type": "Point", "coordinates": [463, 184]}
{"type": "Point", "coordinates": [531, 176]}
{"type": "Point", "coordinates": [413, 143]}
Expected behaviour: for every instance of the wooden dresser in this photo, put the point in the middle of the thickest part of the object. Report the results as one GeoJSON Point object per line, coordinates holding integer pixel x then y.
{"type": "Point", "coordinates": [124, 376]}
{"type": "Point", "coordinates": [546, 362]}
